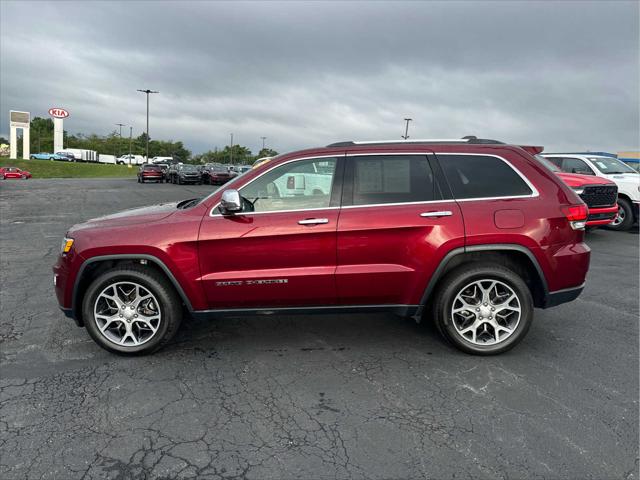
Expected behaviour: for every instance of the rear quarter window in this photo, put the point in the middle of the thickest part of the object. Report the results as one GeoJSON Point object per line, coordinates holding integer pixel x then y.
{"type": "Point", "coordinates": [482, 176]}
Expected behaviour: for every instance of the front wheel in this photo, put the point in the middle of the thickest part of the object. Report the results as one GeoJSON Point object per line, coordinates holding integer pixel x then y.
{"type": "Point", "coordinates": [131, 310]}
{"type": "Point", "coordinates": [484, 310]}
{"type": "Point", "coordinates": [624, 220]}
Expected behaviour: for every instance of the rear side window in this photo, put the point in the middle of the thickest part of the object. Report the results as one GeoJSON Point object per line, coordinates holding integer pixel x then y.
{"type": "Point", "coordinates": [480, 176]}
{"type": "Point", "coordinates": [575, 165]}
{"type": "Point", "coordinates": [392, 179]}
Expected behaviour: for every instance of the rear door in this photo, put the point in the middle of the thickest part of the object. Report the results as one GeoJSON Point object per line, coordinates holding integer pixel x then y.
{"type": "Point", "coordinates": [395, 226]}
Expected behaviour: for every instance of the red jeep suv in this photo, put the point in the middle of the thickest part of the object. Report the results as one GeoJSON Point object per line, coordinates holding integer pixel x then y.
{"type": "Point", "coordinates": [469, 233]}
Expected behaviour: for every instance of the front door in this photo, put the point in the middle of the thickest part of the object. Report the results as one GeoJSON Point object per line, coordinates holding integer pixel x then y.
{"type": "Point", "coordinates": [394, 229]}
{"type": "Point", "coordinates": [280, 250]}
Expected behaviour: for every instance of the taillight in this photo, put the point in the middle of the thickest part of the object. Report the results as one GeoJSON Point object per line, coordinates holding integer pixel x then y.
{"type": "Point", "coordinates": [576, 215]}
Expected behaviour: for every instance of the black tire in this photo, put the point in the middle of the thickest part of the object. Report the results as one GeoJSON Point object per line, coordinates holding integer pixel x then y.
{"type": "Point", "coordinates": [456, 281]}
{"type": "Point", "coordinates": [170, 307]}
{"type": "Point", "coordinates": [179, 181]}
{"type": "Point", "coordinates": [625, 211]}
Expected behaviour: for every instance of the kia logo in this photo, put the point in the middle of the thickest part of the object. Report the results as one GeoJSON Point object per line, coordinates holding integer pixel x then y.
{"type": "Point", "coordinates": [58, 113]}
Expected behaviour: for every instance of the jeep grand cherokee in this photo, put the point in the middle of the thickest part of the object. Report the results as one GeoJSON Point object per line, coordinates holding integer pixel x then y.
{"type": "Point", "coordinates": [471, 234]}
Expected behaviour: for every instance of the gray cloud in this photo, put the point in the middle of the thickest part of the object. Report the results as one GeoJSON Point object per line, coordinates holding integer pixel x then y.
{"type": "Point", "coordinates": [561, 74]}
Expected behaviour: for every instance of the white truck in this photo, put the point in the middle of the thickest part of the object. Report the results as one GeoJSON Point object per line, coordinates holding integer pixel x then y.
{"type": "Point", "coordinates": [625, 177]}
{"type": "Point", "coordinates": [130, 160]}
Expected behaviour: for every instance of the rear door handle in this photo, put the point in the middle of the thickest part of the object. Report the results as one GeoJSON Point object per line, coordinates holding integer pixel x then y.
{"type": "Point", "coordinates": [443, 213]}
{"type": "Point", "coordinates": [313, 221]}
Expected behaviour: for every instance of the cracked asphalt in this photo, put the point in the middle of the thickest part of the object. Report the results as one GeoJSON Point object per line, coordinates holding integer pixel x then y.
{"type": "Point", "coordinates": [284, 397]}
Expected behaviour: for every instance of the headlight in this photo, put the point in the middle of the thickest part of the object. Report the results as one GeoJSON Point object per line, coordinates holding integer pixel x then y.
{"type": "Point", "coordinates": [578, 190]}
{"type": "Point", "coordinates": [67, 243]}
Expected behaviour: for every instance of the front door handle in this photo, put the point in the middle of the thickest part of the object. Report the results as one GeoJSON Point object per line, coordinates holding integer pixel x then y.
{"type": "Point", "coordinates": [443, 213]}
{"type": "Point", "coordinates": [313, 221]}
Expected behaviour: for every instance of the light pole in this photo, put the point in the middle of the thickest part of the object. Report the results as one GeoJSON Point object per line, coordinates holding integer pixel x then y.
{"type": "Point", "coordinates": [406, 128]}
{"type": "Point", "coordinates": [147, 91]}
{"type": "Point", "coordinates": [263, 139]}
{"type": "Point", "coordinates": [120, 135]}
{"type": "Point", "coordinates": [231, 151]}
{"type": "Point", "coordinates": [130, 138]}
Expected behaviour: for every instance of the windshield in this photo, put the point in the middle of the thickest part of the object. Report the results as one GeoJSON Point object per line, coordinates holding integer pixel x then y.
{"type": "Point", "coordinates": [609, 166]}
{"type": "Point", "coordinates": [547, 163]}
{"type": "Point", "coordinates": [189, 168]}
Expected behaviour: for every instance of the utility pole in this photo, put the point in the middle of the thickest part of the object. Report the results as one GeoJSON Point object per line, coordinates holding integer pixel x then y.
{"type": "Point", "coordinates": [406, 128]}
{"type": "Point", "coordinates": [130, 139]}
{"type": "Point", "coordinates": [231, 151]}
{"type": "Point", "coordinates": [120, 135]}
{"type": "Point", "coordinates": [147, 91]}
{"type": "Point", "coordinates": [263, 139]}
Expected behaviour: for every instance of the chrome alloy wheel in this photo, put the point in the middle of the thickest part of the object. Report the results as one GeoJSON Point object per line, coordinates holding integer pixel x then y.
{"type": "Point", "coordinates": [127, 314]}
{"type": "Point", "coordinates": [620, 218]}
{"type": "Point", "coordinates": [486, 312]}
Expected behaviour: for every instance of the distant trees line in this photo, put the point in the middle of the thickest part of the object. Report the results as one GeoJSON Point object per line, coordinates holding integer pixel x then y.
{"type": "Point", "coordinates": [42, 141]}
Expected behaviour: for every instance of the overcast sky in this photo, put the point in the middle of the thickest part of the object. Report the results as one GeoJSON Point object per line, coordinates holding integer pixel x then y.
{"type": "Point", "coordinates": [562, 75]}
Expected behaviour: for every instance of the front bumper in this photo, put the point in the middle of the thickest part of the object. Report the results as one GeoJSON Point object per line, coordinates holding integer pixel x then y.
{"type": "Point", "coordinates": [602, 215]}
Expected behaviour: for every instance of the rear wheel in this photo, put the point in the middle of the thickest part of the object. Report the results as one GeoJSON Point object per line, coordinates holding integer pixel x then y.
{"type": "Point", "coordinates": [484, 309]}
{"type": "Point", "coordinates": [131, 310]}
{"type": "Point", "coordinates": [624, 220]}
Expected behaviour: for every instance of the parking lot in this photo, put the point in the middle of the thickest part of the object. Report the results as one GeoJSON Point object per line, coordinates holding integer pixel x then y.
{"type": "Point", "coordinates": [340, 396]}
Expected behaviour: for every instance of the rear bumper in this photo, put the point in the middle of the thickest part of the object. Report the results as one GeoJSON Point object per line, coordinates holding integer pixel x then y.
{"type": "Point", "coordinates": [563, 296]}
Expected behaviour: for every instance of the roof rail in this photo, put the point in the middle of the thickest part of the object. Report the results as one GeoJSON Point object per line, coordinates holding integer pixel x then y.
{"type": "Point", "coordinates": [470, 139]}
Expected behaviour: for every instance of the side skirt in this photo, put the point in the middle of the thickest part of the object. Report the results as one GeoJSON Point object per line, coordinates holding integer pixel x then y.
{"type": "Point", "coordinates": [400, 310]}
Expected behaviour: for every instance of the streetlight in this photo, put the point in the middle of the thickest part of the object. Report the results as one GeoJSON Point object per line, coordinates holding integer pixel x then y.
{"type": "Point", "coordinates": [231, 151]}
{"type": "Point", "coordinates": [147, 91]}
{"type": "Point", "coordinates": [406, 128]}
{"type": "Point", "coordinates": [263, 139]}
{"type": "Point", "coordinates": [130, 138]}
{"type": "Point", "coordinates": [120, 135]}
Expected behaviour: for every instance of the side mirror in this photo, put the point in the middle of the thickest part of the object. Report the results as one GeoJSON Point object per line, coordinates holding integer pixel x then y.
{"type": "Point", "coordinates": [230, 201]}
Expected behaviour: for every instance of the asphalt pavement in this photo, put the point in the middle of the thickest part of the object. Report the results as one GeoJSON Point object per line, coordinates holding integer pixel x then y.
{"type": "Point", "coordinates": [285, 397]}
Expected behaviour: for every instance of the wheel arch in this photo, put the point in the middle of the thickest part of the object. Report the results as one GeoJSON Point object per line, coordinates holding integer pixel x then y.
{"type": "Point", "coordinates": [94, 266]}
{"type": "Point", "coordinates": [516, 257]}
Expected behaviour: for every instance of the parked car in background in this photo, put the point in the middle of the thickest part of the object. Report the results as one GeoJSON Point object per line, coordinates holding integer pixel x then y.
{"type": "Point", "coordinates": [600, 194]}
{"type": "Point", "coordinates": [471, 234]}
{"type": "Point", "coordinates": [625, 177]}
{"type": "Point", "coordinates": [68, 155]}
{"type": "Point", "coordinates": [49, 156]}
{"type": "Point", "coordinates": [162, 160]}
{"type": "Point", "coordinates": [130, 160]}
{"type": "Point", "coordinates": [14, 172]}
{"type": "Point", "coordinates": [164, 167]}
{"type": "Point", "coordinates": [216, 174]}
{"type": "Point", "coordinates": [150, 173]}
{"type": "Point", "coordinates": [185, 173]}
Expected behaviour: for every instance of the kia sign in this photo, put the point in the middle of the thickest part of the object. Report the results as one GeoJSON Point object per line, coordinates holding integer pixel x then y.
{"type": "Point", "coordinates": [58, 113]}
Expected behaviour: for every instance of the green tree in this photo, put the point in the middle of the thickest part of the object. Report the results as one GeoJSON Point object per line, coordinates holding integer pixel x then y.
{"type": "Point", "coordinates": [266, 152]}
{"type": "Point", "coordinates": [41, 135]}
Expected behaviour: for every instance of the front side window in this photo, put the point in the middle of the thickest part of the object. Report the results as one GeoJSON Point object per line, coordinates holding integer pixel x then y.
{"type": "Point", "coordinates": [575, 165]}
{"type": "Point", "coordinates": [301, 185]}
{"type": "Point", "coordinates": [482, 176]}
{"type": "Point", "coordinates": [392, 179]}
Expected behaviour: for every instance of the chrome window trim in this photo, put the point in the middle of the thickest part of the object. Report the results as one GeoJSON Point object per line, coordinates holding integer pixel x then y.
{"type": "Point", "coordinates": [534, 191]}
